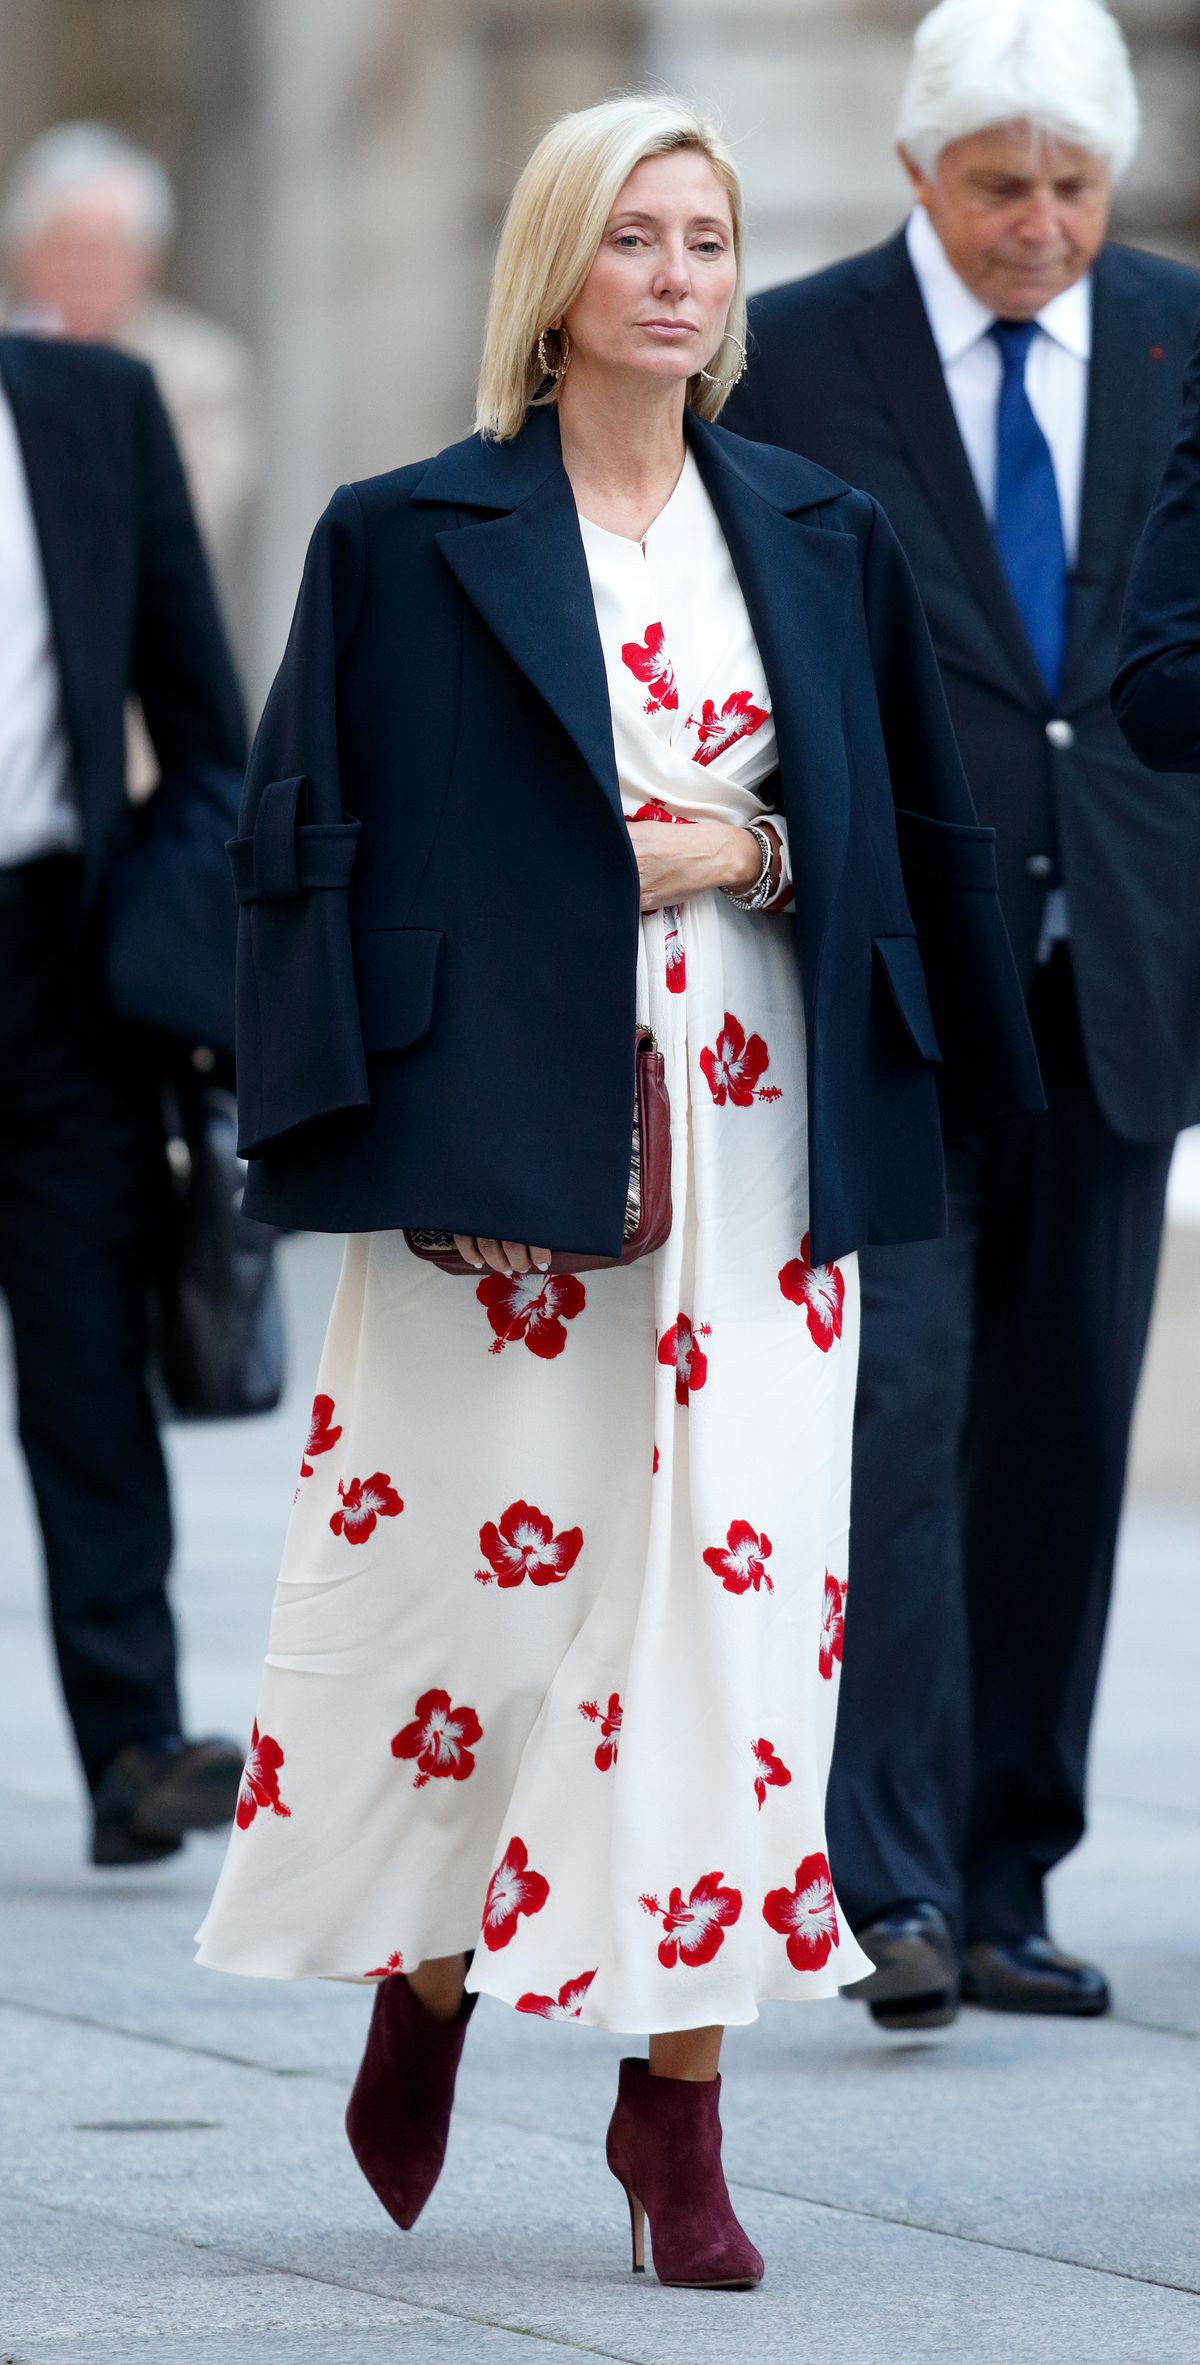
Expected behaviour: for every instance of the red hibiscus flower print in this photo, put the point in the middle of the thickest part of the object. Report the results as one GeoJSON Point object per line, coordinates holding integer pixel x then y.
{"type": "Point", "coordinates": [651, 664]}
{"type": "Point", "coordinates": [676, 952]}
{"type": "Point", "coordinates": [609, 1721]}
{"type": "Point", "coordinates": [821, 1290]}
{"type": "Point", "coordinates": [735, 1067]}
{"type": "Point", "coordinates": [738, 718]}
{"type": "Point", "coordinates": [260, 1780]}
{"type": "Point", "coordinates": [566, 2005]}
{"type": "Point", "coordinates": [743, 1562]}
{"type": "Point", "coordinates": [833, 1624]}
{"type": "Point", "coordinates": [770, 1772]}
{"type": "Point", "coordinates": [695, 1931]}
{"type": "Point", "coordinates": [441, 1739]}
{"type": "Point", "coordinates": [364, 1502]}
{"type": "Point", "coordinates": [388, 1970]}
{"type": "Point", "coordinates": [806, 1915]}
{"type": "Point", "coordinates": [532, 1306]}
{"type": "Point", "coordinates": [654, 1464]}
{"type": "Point", "coordinates": [656, 812]}
{"type": "Point", "coordinates": [322, 1437]}
{"type": "Point", "coordinates": [512, 1890]}
{"type": "Point", "coordinates": [524, 1544]}
{"type": "Point", "coordinates": [678, 1346]}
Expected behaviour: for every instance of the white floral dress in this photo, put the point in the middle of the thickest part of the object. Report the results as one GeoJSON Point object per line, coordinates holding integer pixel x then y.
{"type": "Point", "coordinates": [554, 1656]}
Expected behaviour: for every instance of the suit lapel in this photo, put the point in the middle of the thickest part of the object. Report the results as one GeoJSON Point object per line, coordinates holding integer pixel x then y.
{"type": "Point", "coordinates": [1118, 477]}
{"type": "Point", "coordinates": [897, 342]}
{"type": "Point", "coordinates": [74, 529]}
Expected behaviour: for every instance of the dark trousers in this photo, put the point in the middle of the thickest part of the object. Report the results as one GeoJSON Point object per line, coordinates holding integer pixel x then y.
{"type": "Point", "coordinates": [998, 1377]}
{"type": "Point", "coordinates": [78, 1178]}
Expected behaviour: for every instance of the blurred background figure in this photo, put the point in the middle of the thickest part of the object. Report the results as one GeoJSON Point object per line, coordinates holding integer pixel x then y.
{"type": "Point", "coordinates": [104, 596]}
{"type": "Point", "coordinates": [87, 220]}
{"type": "Point", "coordinates": [1006, 382]}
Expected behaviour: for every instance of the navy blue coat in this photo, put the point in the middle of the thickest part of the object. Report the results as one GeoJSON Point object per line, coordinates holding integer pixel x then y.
{"type": "Point", "coordinates": [133, 615]}
{"type": "Point", "coordinates": [440, 902]}
{"type": "Point", "coordinates": [843, 368]}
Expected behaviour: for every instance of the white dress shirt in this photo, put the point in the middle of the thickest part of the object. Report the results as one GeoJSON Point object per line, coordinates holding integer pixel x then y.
{"type": "Point", "coordinates": [1056, 381]}
{"type": "Point", "coordinates": [38, 812]}
{"type": "Point", "coordinates": [1056, 373]}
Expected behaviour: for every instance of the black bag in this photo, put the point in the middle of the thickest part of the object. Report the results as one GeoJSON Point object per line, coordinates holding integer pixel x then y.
{"type": "Point", "coordinates": [217, 1323]}
{"type": "Point", "coordinates": [171, 913]}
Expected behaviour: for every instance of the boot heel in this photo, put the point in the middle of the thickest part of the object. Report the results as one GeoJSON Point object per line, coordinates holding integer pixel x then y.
{"type": "Point", "coordinates": [637, 2228]}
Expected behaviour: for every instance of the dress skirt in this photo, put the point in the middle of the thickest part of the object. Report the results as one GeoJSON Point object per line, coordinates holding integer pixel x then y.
{"type": "Point", "coordinates": [554, 1657]}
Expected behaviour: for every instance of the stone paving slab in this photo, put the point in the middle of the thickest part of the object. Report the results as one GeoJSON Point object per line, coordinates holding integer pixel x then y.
{"type": "Point", "coordinates": [1008, 2190]}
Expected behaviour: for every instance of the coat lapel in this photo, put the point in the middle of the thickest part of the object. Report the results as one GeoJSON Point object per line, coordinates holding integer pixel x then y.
{"type": "Point", "coordinates": [797, 581]}
{"type": "Point", "coordinates": [897, 342]}
{"type": "Point", "coordinates": [526, 574]}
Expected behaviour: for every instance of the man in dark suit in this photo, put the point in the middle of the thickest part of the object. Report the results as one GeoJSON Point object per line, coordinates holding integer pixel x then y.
{"type": "Point", "coordinates": [1005, 382]}
{"type": "Point", "coordinates": [104, 596]}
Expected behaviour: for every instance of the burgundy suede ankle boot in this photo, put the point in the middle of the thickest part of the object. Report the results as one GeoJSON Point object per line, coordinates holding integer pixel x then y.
{"type": "Point", "coordinates": [398, 2116]}
{"type": "Point", "coordinates": [664, 2146]}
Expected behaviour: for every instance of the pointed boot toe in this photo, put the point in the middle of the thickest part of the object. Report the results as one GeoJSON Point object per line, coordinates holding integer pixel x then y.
{"type": "Point", "coordinates": [398, 2115]}
{"type": "Point", "coordinates": [664, 2148]}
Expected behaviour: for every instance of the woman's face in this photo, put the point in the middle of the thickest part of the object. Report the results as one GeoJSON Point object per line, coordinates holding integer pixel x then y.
{"type": "Point", "coordinates": [657, 297]}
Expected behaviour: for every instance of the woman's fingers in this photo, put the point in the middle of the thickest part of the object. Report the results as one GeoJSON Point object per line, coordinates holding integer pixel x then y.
{"type": "Point", "coordinates": [502, 1256]}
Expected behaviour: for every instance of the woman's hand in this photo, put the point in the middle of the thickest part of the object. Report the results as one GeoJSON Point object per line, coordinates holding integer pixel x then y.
{"type": "Point", "coordinates": [502, 1256]}
{"type": "Point", "coordinates": [676, 862]}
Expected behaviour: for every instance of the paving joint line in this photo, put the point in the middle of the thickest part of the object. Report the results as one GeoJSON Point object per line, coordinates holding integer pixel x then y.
{"type": "Point", "coordinates": [950, 2233]}
{"type": "Point", "coordinates": [516, 2127]}
{"type": "Point", "coordinates": [248, 2262]}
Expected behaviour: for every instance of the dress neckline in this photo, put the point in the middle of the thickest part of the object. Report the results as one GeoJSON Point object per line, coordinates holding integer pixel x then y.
{"type": "Point", "coordinates": [629, 541]}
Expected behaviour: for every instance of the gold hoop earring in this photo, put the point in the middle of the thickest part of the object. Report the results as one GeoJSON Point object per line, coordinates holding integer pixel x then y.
{"type": "Point", "coordinates": [739, 373]}
{"type": "Point", "coordinates": [556, 370]}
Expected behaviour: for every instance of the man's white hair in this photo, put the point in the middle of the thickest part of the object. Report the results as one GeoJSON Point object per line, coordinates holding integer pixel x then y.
{"type": "Point", "coordinates": [1059, 65]}
{"type": "Point", "coordinates": [72, 161]}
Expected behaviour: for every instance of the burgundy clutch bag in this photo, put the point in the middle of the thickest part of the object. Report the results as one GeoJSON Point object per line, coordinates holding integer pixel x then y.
{"type": "Point", "coordinates": [647, 1201]}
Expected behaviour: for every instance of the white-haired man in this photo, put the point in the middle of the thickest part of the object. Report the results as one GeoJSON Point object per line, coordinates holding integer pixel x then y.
{"type": "Point", "coordinates": [86, 223]}
{"type": "Point", "coordinates": [1006, 383]}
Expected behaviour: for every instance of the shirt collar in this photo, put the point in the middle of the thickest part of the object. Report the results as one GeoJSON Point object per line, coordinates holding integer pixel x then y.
{"type": "Point", "coordinates": [957, 318]}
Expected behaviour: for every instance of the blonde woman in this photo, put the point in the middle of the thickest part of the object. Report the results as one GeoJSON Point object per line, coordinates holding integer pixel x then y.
{"type": "Point", "coordinates": [600, 719]}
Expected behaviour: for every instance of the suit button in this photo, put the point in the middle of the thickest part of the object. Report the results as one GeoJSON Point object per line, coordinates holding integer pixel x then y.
{"type": "Point", "coordinates": [1039, 866]}
{"type": "Point", "coordinates": [1060, 733]}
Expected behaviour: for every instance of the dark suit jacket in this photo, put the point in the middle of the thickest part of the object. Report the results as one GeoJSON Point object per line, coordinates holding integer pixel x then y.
{"type": "Point", "coordinates": [843, 367]}
{"type": "Point", "coordinates": [440, 901]}
{"type": "Point", "coordinates": [133, 615]}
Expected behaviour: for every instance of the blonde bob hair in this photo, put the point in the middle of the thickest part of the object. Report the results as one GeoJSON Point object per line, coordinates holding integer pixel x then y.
{"type": "Point", "coordinates": [552, 232]}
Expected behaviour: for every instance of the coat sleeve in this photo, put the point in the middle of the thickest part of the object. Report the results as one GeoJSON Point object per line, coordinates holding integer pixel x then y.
{"type": "Point", "coordinates": [299, 1043]}
{"type": "Point", "coordinates": [989, 1066]}
{"type": "Point", "coordinates": [1156, 695]}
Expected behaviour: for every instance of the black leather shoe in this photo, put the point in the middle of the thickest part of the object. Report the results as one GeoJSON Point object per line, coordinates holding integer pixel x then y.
{"type": "Point", "coordinates": [150, 1796]}
{"type": "Point", "coordinates": [915, 1980]}
{"type": "Point", "coordinates": [1030, 1975]}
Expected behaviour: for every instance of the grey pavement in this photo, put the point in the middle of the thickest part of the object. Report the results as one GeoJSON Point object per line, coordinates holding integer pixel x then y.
{"type": "Point", "coordinates": [175, 2188]}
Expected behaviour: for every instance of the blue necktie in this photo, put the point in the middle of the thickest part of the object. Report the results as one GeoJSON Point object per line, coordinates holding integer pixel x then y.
{"type": "Point", "coordinates": [1028, 521]}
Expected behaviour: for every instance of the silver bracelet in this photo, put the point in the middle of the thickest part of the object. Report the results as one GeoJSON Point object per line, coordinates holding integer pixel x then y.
{"type": "Point", "coordinates": [757, 897]}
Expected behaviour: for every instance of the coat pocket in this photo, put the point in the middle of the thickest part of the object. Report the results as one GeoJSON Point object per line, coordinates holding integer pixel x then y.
{"type": "Point", "coordinates": [900, 960]}
{"type": "Point", "coordinates": [395, 970]}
